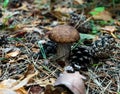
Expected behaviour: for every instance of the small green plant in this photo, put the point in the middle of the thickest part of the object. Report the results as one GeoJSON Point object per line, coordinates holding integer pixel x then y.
{"type": "Point", "coordinates": [97, 10]}
{"type": "Point", "coordinates": [94, 27]}
{"type": "Point", "coordinates": [5, 3]}
{"type": "Point", "coordinates": [42, 49]}
{"type": "Point", "coordinates": [82, 38]}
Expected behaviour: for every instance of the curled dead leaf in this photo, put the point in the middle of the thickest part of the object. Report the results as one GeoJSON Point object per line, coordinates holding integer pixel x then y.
{"type": "Point", "coordinates": [74, 81]}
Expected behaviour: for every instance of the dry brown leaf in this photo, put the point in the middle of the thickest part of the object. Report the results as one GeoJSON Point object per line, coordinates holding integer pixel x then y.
{"type": "Point", "coordinates": [5, 87]}
{"type": "Point", "coordinates": [19, 34]}
{"type": "Point", "coordinates": [117, 22]}
{"type": "Point", "coordinates": [104, 15]}
{"type": "Point", "coordinates": [12, 54]}
{"type": "Point", "coordinates": [35, 89]}
{"type": "Point", "coordinates": [30, 70]}
{"type": "Point", "coordinates": [43, 83]}
{"type": "Point", "coordinates": [7, 91]}
{"type": "Point", "coordinates": [22, 57]}
{"type": "Point", "coordinates": [77, 2]}
{"type": "Point", "coordinates": [59, 15]}
{"type": "Point", "coordinates": [35, 50]}
{"type": "Point", "coordinates": [110, 30]}
{"type": "Point", "coordinates": [63, 10]}
{"type": "Point", "coordinates": [11, 86]}
{"type": "Point", "coordinates": [23, 82]}
{"type": "Point", "coordinates": [74, 81]}
{"type": "Point", "coordinates": [31, 29]}
{"type": "Point", "coordinates": [21, 91]}
{"type": "Point", "coordinates": [23, 7]}
{"type": "Point", "coordinates": [110, 63]}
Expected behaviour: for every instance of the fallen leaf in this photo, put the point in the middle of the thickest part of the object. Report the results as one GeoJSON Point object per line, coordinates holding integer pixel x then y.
{"type": "Point", "coordinates": [109, 63]}
{"type": "Point", "coordinates": [74, 81]}
{"type": "Point", "coordinates": [117, 22]}
{"type": "Point", "coordinates": [29, 29]}
{"type": "Point", "coordinates": [30, 70]}
{"type": "Point", "coordinates": [12, 54]}
{"type": "Point", "coordinates": [23, 82]}
{"type": "Point", "coordinates": [15, 86]}
{"type": "Point", "coordinates": [23, 7]}
{"type": "Point", "coordinates": [104, 15]}
{"type": "Point", "coordinates": [43, 83]}
{"type": "Point", "coordinates": [7, 91]}
{"type": "Point", "coordinates": [35, 89]}
{"type": "Point", "coordinates": [50, 89]}
{"type": "Point", "coordinates": [63, 10]}
{"type": "Point", "coordinates": [35, 50]}
{"type": "Point", "coordinates": [19, 34]}
{"type": "Point", "coordinates": [78, 2]}
{"type": "Point", "coordinates": [22, 57]}
{"type": "Point", "coordinates": [110, 30]}
{"type": "Point", "coordinates": [5, 87]}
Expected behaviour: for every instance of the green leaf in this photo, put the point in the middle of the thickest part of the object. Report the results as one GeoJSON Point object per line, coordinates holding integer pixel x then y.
{"type": "Point", "coordinates": [82, 38]}
{"type": "Point", "coordinates": [5, 4]}
{"type": "Point", "coordinates": [98, 64]}
{"type": "Point", "coordinates": [94, 30]}
{"type": "Point", "coordinates": [86, 36]}
{"type": "Point", "coordinates": [97, 10]}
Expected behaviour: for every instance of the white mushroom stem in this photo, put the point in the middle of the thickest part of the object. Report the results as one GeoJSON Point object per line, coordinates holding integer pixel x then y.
{"type": "Point", "coordinates": [63, 51]}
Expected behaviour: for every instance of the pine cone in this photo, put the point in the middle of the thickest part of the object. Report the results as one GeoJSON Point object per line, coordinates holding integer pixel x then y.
{"type": "Point", "coordinates": [79, 22]}
{"type": "Point", "coordinates": [3, 40]}
{"type": "Point", "coordinates": [103, 47]}
{"type": "Point", "coordinates": [80, 58]}
{"type": "Point", "coordinates": [49, 47]}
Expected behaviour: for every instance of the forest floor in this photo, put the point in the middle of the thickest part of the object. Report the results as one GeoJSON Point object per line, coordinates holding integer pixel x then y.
{"type": "Point", "coordinates": [26, 23]}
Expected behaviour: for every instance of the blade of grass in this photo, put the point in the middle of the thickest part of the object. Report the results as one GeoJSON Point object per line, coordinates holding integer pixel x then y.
{"type": "Point", "coordinates": [42, 49]}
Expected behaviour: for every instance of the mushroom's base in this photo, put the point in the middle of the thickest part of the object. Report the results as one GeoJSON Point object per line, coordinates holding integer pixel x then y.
{"type": "Point", "coordinates": [63, 51]}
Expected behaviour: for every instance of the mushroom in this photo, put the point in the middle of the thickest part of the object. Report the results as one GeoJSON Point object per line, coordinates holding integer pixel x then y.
{"type": "Point", "coordinates": [64, 36]}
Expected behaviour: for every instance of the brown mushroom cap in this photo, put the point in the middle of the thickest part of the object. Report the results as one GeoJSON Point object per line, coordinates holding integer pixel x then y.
{"type": "Point", "coordinates": [64, 34]}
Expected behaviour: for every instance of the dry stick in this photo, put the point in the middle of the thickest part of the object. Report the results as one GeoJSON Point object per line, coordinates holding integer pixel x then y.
{"type": "Point", "coordinates": [106, 87]}
{"type": "Point", "coordinates": [92, 75]}
{"type": "Point", "coordinates": [87, 91]}
{"type": "Point", "coordinates": [51, 74]}
{"type": "Point", "coordinates": [118, 81]}
{"type": "Point", "coordinates": [83, 22]}
{"type": "Point", "coordinates": [5, 72]}
{"type": "Point", "coordinates": [77, 24]}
